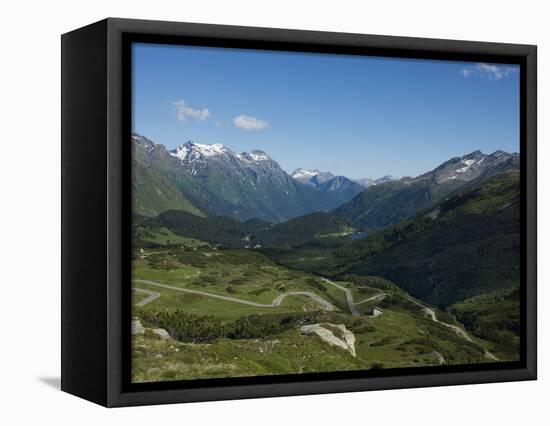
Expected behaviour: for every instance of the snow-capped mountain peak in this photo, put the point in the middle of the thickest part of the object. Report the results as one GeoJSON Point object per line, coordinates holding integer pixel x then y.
{"type": "Point", "coordinates": [471, 166]}
{"type": "Point", "coordinates": [305, 173]}
{"type": "Point", "coordinates": [254, 155]}
{"type": "Point", "coordinates": [192, 151]}
{"type": "Point", "coordinates": [313, 177]}
{"type": "Point", "coordinates": [212, 150]}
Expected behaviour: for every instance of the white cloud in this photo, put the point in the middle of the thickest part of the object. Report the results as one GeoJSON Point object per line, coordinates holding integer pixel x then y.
{"type": "Point", "coordinates": [489, 71]}
{"type": "Point", "coordinates": [183, 111]}
{"type": "Point", "coordinates": [246, 122]}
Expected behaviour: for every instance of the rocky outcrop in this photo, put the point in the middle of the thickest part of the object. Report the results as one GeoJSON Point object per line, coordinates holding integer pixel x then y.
{"type": "Point", "coordinates": [333, 334]}
{"type": "Point", "coordinates": [161, 332]}
{"type": "Point", "coordinates": [137, 328]}
{"type": "Point", "coordinates": [438, 357]}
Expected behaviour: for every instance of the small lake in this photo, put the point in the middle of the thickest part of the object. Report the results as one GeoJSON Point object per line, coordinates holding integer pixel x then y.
{"type": "Point", "coordinates": [358, 236]}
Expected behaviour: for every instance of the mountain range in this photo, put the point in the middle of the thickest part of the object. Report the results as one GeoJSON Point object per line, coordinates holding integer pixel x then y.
{"type": "Point", "coordinates": [214, 180]}
{"type": "Point", "coordinates": [318, 178]}
{"type": "Point", "coordinates": [392, 201]}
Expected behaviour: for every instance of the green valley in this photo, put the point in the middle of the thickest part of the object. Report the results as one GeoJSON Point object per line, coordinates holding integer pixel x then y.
{"type": "Point", "coordinates": [239, 270]}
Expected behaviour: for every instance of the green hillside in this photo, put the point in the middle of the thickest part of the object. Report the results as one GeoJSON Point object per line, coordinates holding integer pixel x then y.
{"type": "Point", "coordinates": [391, 202]}
{"type": "Point", "coordinates": [153, 193]}
{"type": "Point", "coordinates": [493, 316]}
{"type": "Point", "coordinates": [465, 246]}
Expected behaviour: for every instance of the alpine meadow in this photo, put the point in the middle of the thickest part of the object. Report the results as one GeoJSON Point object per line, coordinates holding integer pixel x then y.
{"type": "Point", "coordinates": [305, 213]}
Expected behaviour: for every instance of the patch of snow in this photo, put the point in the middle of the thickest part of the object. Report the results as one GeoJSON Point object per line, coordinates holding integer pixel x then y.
{"type": "Point", "coordinates": [181, 152]}
{"type": "Point", "coordinates": [467, 165]}
{"type": "Point", "coordinates": [259, 156]}
{"type": "Point", "coordinates": [255, 155]}
{"type": "Point", "coordinates": [211, 150]}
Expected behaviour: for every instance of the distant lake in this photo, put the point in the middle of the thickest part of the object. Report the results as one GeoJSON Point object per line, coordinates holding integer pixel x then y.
{"type": "Point", "coordinates": [358, 236]}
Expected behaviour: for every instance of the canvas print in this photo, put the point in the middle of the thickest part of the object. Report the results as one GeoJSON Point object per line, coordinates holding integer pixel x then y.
{"type": "Point", "coordinates": [301, 213]}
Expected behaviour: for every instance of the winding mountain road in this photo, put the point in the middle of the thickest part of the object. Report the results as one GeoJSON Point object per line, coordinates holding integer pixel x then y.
{"type": "Point", "coordinates": [152, 295]}
{"type": "Point", "coordinates": [327, 306]}
{"type": "Point", "coordinates": [380, 296]}
{"type": "Point", "coordinates": [349, 295]}
{"type": "Point", "coordinates": [430, 312]}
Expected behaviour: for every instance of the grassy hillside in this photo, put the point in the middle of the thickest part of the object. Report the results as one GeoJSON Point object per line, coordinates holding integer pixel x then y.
{"type": "Point", "coordinates": [391, 202]}
{"type": "Point", "coordinates": [493, 316]}
{"type": "Point", "coordinates": [461, 254]}
{"type": "Point", "coordinates": [215, 337]}
{"type": "Point", "coordinates": [152, 193]}
{"type": "Point", "coordinates": [465, 246]}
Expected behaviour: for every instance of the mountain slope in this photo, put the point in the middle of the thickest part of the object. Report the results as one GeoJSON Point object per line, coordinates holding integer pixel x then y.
{"type": "Point", "coordinates": [220, 182]}
{"type": "Point", "coordinates": [341, 188]}
{"type": "Point", "coordinates": [464, 246]}
{"type": "Point", "coordinates": [493, 316]}
{"type": "Point", "coordinates": [153, 193]}
{"type": "Point", "coordinates": [392, 201]}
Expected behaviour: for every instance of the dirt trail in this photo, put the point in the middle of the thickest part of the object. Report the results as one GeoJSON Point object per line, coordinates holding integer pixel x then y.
{"type": "Point", "coordinates": [430, 312]}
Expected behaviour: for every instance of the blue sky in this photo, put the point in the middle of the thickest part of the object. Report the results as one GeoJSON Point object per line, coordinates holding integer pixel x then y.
{"type": "Point", "coordinates": [353, 115]}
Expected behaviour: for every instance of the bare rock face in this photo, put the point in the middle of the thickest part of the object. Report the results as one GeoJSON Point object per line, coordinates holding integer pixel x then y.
{"type": "Point", "coordinates": [137, 328]}
{"type": "Point", "coordinates": [376, 312]}
{"type": "Point", "coordinates": [333, 334]}
{"type": "Point", "coordinates": [161, 332]}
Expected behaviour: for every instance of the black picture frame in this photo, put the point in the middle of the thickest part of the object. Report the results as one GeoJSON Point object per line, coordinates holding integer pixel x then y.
{"type": "Point", "coordinates": [96, 116]}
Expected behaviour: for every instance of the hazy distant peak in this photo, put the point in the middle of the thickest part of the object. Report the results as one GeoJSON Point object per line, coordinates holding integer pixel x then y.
{"type": "Point", "coordinates": [384, 179]}
{"type": "Point", "coordinates": [313, 177]}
